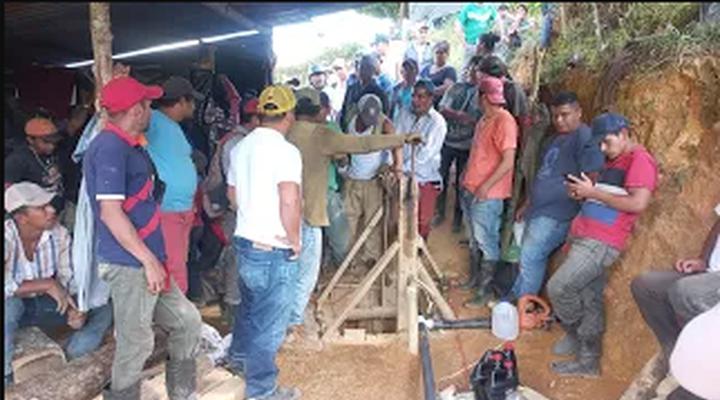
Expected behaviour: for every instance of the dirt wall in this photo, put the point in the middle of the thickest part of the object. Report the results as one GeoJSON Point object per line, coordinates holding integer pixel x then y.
{"type": "Point", "coordinates": [673, 112]}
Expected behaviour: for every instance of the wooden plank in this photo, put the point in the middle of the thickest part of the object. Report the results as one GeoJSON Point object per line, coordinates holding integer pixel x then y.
{"type": "Point", "coordinates": [232, 388]}
{"type": "Point", "coordinates": [411, 252]}
{"type": "Point", "coordinates": [365, 285]}
{"type": "Point", "coordinates": [372, 313]}
{"type": "Point", "coordinates": [351, 255]}
{"type": "Point", "coordinates": [402, 257]}
{"type": "Point", "coordinates": [445, 310]}
{"type": "Point", "coordinates": [429, 258]}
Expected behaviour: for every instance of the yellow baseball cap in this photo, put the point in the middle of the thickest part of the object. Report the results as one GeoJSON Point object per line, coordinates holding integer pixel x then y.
{"type": "Point", "coordinates": [276, 100]}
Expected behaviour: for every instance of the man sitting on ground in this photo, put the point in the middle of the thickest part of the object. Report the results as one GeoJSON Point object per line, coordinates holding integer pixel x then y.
{"type": "Point", "coordinates": [318, 146]}
{"type": "Point", "coordinates": [37, 161]}
{"type": "Point", "coordinates": [39, 275]}
{"type": "Point", "coordinates": [670, 299]}
{"type": "Point", "coordinates": [597, 236]}
{"type": "Point", "coordinates": [550, 209]}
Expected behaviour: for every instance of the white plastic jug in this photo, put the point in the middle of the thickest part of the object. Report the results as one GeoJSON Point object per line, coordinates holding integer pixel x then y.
{"type": "Point", "coordinates": [505, 323]}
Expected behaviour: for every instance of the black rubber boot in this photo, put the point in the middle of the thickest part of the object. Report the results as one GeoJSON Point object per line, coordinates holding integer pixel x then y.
{"type": "Point", "coordinates": [129, 393]}
{"type": "Point", "coordinates": [439, 217]}
{"type": "Point", "coordinates": [457, 221]}
{"type": "Point", "coordinates": [568, 344]}
{"type": "Point", "coordinates": [586, 363]}
{"type": "Point", "coordinates": [484, 292]}
{"type": "Point", "coordinates": [474, 268]}
{"type": "Point", "coordinates": [180, 379]}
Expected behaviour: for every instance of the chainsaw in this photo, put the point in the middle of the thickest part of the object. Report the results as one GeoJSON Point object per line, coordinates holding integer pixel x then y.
{"type": "Point", "coordinates": [534, 313]}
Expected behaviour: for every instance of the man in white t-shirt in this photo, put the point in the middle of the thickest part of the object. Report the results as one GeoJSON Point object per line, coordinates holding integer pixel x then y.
{"type": "Point", "coordinates": [669, 299]}
{"type": "Point", "coordinates": [264, 188]}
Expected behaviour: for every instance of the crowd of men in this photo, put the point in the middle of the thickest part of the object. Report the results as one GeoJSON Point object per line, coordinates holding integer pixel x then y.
{"type": "Point", "coordinates": [281, 191]}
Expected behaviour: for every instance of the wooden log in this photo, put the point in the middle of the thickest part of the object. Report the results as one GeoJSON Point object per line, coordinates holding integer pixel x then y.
{"type": "Point", "coordinates": [35, 353]}
{"type": "Point", "coordinates": [79, 379]}
{"type": "Point", "coordinates": [429, 285]}
{"type": "Point", "coordinates": [402, 260]}
{"type": "Point", "coordinates": [433, 264]}
{"type": "Point", "coordinates": [372, 313]}
{"type": "Point", "coordinates": [101, 38]}
{"type": "Point", "coordinates": [410, 248]}
{"type": "Point", "coordinates": [644, 385]}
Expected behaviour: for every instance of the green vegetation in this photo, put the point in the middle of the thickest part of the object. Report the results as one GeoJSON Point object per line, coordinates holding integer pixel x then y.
{"type": "Point", "coordinates": [300, 71]}
{"type": "Point", "coordinates": [650, 34]}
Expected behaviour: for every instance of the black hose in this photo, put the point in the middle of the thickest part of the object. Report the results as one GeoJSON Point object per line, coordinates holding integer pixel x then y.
{"type": "Point", "coordinates": [427, 369]}
{"type": "Point", "coordinates": [478, 323]}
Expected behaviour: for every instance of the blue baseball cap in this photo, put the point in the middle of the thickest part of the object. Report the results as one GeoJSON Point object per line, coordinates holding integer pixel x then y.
{"type": "Point", "coordinates": [607, 123]}
{"type": "Point", "coordinates": [316, 69]}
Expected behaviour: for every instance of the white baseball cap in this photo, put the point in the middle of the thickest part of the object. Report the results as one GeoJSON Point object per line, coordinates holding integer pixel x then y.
{"type": "Point", "coordinates": [26, 194]}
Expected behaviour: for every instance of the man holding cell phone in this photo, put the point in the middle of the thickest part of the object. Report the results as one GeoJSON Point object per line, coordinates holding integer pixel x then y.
{"type": "Point", "coordinates": [611, 206]}
{"type": "Point", "coordinates": [550, 208]}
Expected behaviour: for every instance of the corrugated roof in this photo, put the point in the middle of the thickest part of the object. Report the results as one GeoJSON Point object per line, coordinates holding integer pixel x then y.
{"type": "Point", "coordinates": [58, 33]}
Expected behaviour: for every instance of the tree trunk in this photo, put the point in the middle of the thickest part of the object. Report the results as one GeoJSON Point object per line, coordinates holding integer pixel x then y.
{"type": "Point", "coordinates": [102, 49]}
{"type": "Point", "coordinates": [598, 27]}
{"type": "Point", "coordinates": [82, 378]}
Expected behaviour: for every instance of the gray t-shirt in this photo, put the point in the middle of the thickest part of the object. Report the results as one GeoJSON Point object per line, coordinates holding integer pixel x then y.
{"type": "Point", "coordinates": [461, 96]}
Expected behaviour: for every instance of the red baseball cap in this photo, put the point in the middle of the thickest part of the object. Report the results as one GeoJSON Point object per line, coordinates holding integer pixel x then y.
{"type": "Point", "coordinates": [124, 92]}
{"type": "Point", "coordinates": [251, 107]}
{"type": "Point", "coordinates": [492, 87]}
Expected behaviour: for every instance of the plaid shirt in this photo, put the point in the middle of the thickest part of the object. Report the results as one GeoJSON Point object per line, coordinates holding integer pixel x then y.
{"type": "Point", "coordinates": [51, 259]}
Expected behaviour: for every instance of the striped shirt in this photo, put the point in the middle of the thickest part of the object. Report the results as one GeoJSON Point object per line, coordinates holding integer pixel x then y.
{"type": "Point", "coordinates": [51, 259]}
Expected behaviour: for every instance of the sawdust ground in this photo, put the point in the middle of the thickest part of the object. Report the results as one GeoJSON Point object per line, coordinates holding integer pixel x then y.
{"type": "Point", "coordinates": [388, 371]}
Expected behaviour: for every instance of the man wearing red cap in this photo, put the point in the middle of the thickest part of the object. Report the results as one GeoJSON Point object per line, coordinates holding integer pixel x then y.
{"type": "Point", "coordinates": [125, 192]}
{"type": "Point", "coordinates": [487, 182]}
{"type": "Point", "coordinates": [38, 162]}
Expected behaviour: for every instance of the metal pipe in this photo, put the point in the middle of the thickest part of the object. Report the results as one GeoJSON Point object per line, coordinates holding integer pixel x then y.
{"type": "Point", "coordinates": [477, 323]}
{"type": "Point", "coordinates": [427, 369]}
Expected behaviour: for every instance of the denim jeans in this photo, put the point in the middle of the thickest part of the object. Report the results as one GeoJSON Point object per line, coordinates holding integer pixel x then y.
{"type": "Point", "coordinates": [40, 311]}
{"type": "Point", "coordinates": [266, 279]}
{"type": "Point", "coordinates": [307, 273]}
{"type": "Point", "coordinates": [483, 218]}
{"type": "Point", "coordinates": [542, 236]}
{"type": "Point", "coordinates": [576, 288]}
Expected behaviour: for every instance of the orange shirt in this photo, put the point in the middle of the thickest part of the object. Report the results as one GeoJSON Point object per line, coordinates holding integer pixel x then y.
{"type": "Point", "coordinates": [493, 136]}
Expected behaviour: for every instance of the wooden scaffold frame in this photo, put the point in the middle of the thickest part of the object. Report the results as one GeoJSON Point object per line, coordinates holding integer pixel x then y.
{"type": "Point", "coordinates": [412, 257]}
